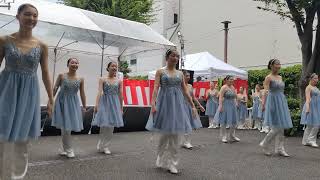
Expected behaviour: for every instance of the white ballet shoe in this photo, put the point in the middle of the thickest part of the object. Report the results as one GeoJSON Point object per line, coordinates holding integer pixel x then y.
{"type": "Point", "coordinates": [172, 169]}
{"type": "Point", "coordinates": [265, 149]}
{"type": "Point", "coordinates": [234, 139]}
{"type": "Point", "coordinates": [62, 153]}
{"type": "Point", "coordinates": [106, 151]}
{"type": "Point", "coordinates": [224, 140]}
{"type": "Point", "coordinates": [283, 153]}
{"type": "Point", "coordinates": [187, 145]}
{"type": "Point", "coordinates": [312, 144]}
{"type": "Point", "coordinates": [70, 154]}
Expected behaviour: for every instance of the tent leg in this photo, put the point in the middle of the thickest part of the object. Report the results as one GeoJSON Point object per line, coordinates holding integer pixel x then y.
{"type": "Point", "coordinates": [102, 53]}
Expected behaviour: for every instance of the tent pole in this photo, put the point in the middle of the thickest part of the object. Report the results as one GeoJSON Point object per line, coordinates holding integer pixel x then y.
{"type": "Point", "coordinates": [55, 58]}
{"type": "Point", "coordinates": [102, 55]}
{"type": "Point", "coordinates": [54, 65]}
{"type": "Point", "coordinates": [8, 23]}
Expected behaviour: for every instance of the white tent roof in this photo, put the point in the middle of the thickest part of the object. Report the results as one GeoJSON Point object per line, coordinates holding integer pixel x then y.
{"type": "Point", "coordinates": [205, 64]}
{"type": "Point", "coordinates": [87, 25]}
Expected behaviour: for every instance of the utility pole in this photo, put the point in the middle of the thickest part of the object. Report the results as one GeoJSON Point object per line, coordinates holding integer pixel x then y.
{"type": "Point", "coordinates": [226, 29]}
{"type": "Point", "coordinates": [180, 36]}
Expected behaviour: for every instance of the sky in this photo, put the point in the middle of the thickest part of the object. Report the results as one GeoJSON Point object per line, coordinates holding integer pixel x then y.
{"type": "Point", "coordinates": [51, 0]}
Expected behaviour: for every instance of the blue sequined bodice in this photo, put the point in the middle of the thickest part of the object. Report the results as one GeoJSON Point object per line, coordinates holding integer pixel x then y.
{"type": "Point", "coordinates": [229, 94]}
{"type": "Point", "coordinates": [111, 89]}
{"type": "Point", "coordinates": [276, 86]}
{"type": "Point", "coordinates": [213, 97]}
{"type": "Point", "coordinates": [70, 86]}
{"type": "Point", "coordinates": [315, 92]}
{"type": "Point", "coordinates": [16, 61]}
{"type": "Point", "coordinates": [167, 81]}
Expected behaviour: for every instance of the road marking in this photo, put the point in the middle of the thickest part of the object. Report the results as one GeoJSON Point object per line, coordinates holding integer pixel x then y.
{"type": "Point", "coordinates": [59, 161]}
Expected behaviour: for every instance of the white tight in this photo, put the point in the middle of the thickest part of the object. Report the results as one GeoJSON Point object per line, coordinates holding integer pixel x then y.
{"type": "Point", "coordinates": [106, 134]}
{"type": "Point", "coordinates": [13, 160]}
{"type": "Point", "coordinates": [224, 133]}
{"type": "Point", "coordinates": [277, 134]}
{"type": "Point", "coordinates": [66, 140]}
{"type": "Point", "coordinates": [169, 143]}
{"type": "Point", "coordinates": [310, 135]}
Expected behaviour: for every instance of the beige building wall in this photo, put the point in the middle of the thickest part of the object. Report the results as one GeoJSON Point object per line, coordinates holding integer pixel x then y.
{"type": "Point", "coordinates": [255, 36]}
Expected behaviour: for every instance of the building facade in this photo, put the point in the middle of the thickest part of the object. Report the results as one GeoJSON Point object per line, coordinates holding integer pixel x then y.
{"type": "Point", "coordinates": [255, 36]}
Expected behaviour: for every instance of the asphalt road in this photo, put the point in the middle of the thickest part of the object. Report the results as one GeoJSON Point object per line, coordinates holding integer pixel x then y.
{"type": "Point", "coordinates": [133, 158]}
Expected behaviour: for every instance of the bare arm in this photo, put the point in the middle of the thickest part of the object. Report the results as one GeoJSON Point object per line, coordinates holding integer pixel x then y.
{"type": "Point", "coordinates": [100, 91]}
{"type": "Point", "coordinates": [156, 87]}
{"type": "Point", "coordinates": [207, 94]}
{"type": "Point", "coordinates": [45, 72]}
{"type": "Point", "coordinates": [82, 94]}
{"type": "Point", "coordinates": [57, 84]}
{"type": "Point", "coordinates": [266, 85]}
{"type": "Point", "coordinates": [121, 94]}
{"type": "Point", "coordinates": [308, 98]}
{"type": "Point", "coordinates": [237, 97]}
{"type": "Point", "coordinates": [221, 93]}
{"type": "Point", "coordinates": [195, 99]}
{"type": "Point", "coordinates": [186, 93]}
{"type": "Point", "coordinates": [2, 43]}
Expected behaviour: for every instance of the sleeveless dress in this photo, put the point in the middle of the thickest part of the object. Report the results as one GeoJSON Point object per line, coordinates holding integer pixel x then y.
{"type": "Point", "coordinates": [67, 114]}
{"type": "Point", "coordinates": [313, 117]}
{"type": "Point", "coordinates": [109, 110]}
{"type": "Point", "coordinates": [229, 116]}
{"type": "Point", "coordinates": [171, 116]}
{"type": "Point", "coordinates": [260, 112]}
{"type": "Point", "coordinates": [212, 105]}
{"type": "Point", "coordinates": [255, 107]}
{"type": "Point", "coordinates": [19, 94]}
{"type": "Point", "coordinates": [276, 114]}
{"type": "Point", "coordinates": [243, 111]}
{"type": "Point", "coordinates": [195, 122]}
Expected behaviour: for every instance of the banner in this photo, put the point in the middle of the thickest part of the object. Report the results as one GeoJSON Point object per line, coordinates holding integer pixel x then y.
{"type": "Point", "coordinates": [139, 92]}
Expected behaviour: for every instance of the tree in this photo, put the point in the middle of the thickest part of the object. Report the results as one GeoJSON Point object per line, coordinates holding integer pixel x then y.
{"type": "Point", "coordinates": [134, 10]}
{"type": "Point", "coordinates": [304, 14]}
{"type": "Point", "coordinates": [124, 68]}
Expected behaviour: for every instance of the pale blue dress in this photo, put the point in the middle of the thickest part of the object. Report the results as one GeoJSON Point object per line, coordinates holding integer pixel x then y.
{"type": "Point", "coordinates": [194, 121]}
{"type": "Point", "coordinates": [255, 108]}
{"type": "Point", "coordinates": [229, 116]}
{"type": "Point", "coordinates": [243, 111]}
{"type": "Point", "coordinates": [313, 117]}
{"type": "Point", "coordinates": [171, 116]}
{"type": "Point", "coordinates": [19, 94]}
{"type": "Point", "coordinates": [212, 105]}
{"type": "Point", "coordinates": [67, 114]}
{"type": "Point", "coordinates": [277, 114]}
{"type": "Point", "coordinates": [109, 111]}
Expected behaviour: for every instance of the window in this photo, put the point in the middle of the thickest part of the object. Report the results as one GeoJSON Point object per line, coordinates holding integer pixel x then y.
{"type": "Point", "coordinates": [175, 18]}
{"type": "Point", "coordinates": [133, 62]}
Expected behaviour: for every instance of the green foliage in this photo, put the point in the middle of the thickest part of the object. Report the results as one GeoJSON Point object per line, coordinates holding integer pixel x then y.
{"type": "Point", "coordinates": [139, 77]}
{"type": "Point", "coordinates": [292, 9]}
{"type": "Point", "coordinates": [290, 76]}
{"type": "Point", "coordinates": [293, 103]}
{"type": "Point", "coordinates": [134, 10]}
{"type": "Point", "coordinates": [124, 68]}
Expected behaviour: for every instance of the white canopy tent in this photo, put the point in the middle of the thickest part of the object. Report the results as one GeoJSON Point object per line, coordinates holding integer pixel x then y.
{"type": "Point", "coordinates": [205, 64]}
{"type": "Point", "coordinates": [61, 22]}
{"type": "Point", "coordinates": [70, 31]}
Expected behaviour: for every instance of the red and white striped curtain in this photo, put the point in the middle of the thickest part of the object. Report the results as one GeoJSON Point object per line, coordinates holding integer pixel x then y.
{"type": "Point", "coordinates": [139, 92]}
